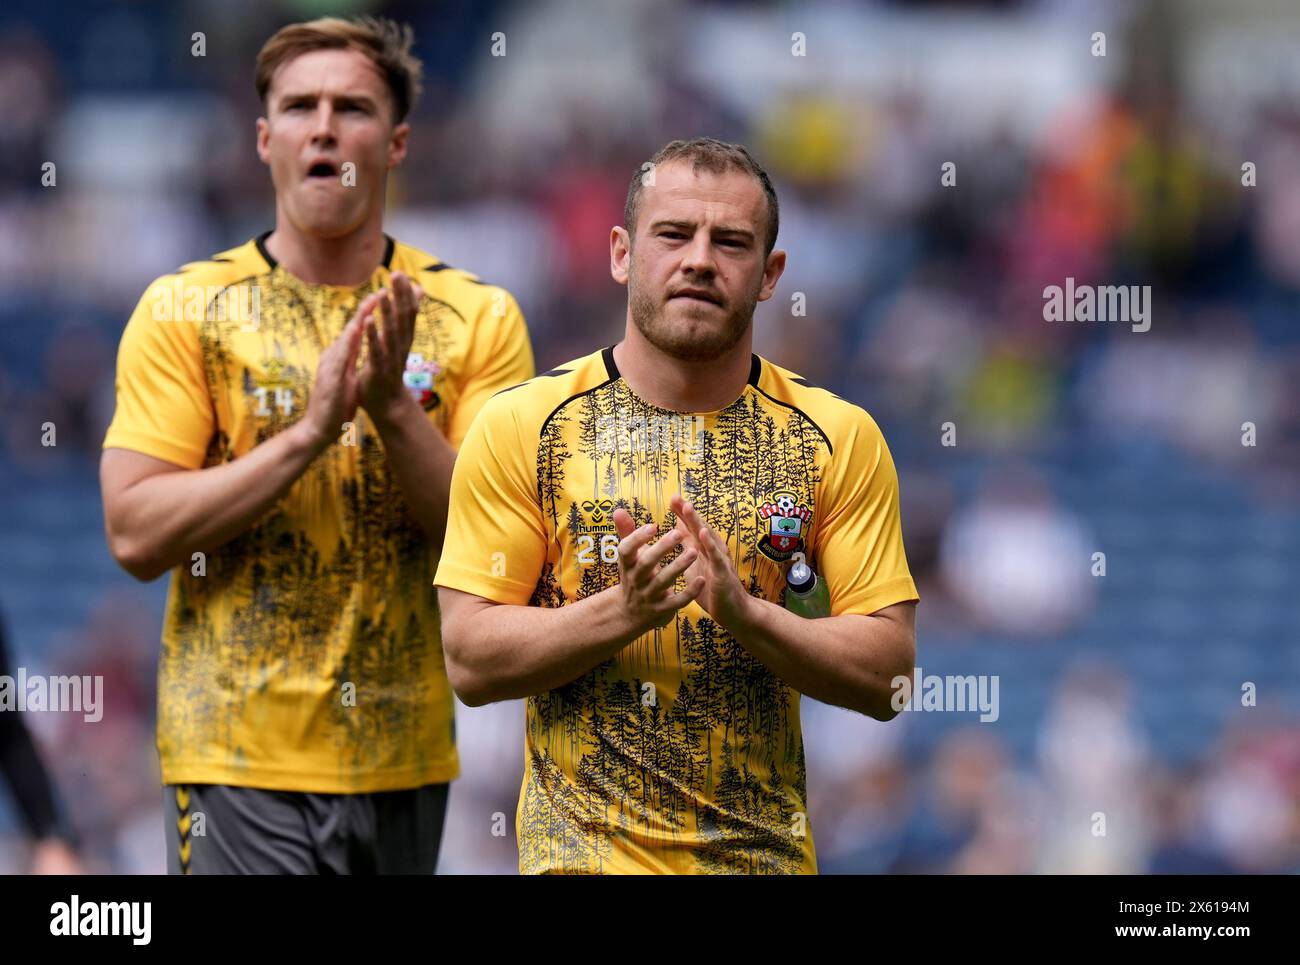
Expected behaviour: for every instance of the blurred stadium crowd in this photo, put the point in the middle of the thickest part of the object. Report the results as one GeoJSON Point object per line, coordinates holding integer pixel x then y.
{"type": "Point", "coordinates": [1119, 693]}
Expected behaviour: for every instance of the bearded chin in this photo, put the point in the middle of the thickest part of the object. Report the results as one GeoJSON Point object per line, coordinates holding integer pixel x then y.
{"type": "Point", "coordinates": [679, 343]}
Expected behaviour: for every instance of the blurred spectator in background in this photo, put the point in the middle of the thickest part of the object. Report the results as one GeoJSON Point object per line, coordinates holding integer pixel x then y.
{"type": "Point", "coordinates": [953, 825]}
{"type": "Point", "coordinates": [1093, 764]}
{"type": "Point", "coordinates": [1017, 561]}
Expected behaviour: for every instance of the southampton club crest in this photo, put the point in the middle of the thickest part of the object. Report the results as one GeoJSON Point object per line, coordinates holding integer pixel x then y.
{"type": "Point", "coordinates": [786, 520]}
{"type": "Point", "coordinates": [418, 379]}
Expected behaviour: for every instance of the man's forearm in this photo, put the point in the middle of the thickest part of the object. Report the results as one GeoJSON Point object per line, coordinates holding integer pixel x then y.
{"type": "Point", "coordinates": [849, 661]}
{"type": "Point", "coordinates": [422, 460]}
{"type": "Point", "coordinates": [163, 519]}
{"type": "Point", "coordinates": [504, 652]}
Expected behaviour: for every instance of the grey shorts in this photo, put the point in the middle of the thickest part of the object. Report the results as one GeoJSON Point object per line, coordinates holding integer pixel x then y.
{"type": "Point", "coordinates": [218, 829]}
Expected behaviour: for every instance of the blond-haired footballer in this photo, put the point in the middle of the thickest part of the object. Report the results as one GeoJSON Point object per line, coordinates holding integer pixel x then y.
{"type": "Point", "coordinates": [288, 415]}
{"type": "Point", "coordinates": [619, 536]}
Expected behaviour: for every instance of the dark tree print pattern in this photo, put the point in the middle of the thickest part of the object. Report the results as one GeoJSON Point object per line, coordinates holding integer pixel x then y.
{"type": "Point", "coordinates": [714, 764]}
{"type": "Point", "coordinates": [334, 583]}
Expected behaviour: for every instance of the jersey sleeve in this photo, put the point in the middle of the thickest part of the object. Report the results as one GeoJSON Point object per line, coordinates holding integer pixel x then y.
{"type": "Point", "coordinates": [858, 546]}
{"type": "Point", "coordinates": [501, 356]}
{"type": "Point", "coordinates": [163, 407]}
{"type": "Point", "coordinates": [496, 543]}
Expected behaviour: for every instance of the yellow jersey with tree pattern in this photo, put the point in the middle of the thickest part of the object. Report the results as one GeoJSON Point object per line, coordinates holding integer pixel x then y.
{"type": "Point", "coordinates": [683, 753]}
{"type": "Point", "coordinates": [305, 653]}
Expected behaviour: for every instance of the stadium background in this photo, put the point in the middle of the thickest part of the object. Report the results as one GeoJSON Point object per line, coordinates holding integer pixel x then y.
{"type": "Point", "coordinates": [1119, 693]}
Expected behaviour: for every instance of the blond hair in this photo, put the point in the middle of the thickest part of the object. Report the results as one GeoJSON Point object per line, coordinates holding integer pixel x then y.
{"type": "Point", "coordinates": [385, 42]}
{"type": "Point", "coordinates": [717, 157]}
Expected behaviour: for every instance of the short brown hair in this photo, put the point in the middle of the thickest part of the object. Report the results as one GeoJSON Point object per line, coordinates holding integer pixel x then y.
{"type": "Point", "coordinates": [385, 42]}
{"type": "Point", "coordinates": [709, 154]}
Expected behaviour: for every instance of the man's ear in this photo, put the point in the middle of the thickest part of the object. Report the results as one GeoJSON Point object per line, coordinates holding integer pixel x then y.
{"type": "Point", "coordinates": [264, 140]}
{"type": "Point", "coordinates": [397, 144]}
{"type": "Point", "coordinates": [620, 254]}
{"type": "Point", "coordinates": [771, 273]}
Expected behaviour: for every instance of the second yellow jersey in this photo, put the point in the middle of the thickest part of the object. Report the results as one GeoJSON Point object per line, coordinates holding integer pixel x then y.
{"type": "Point", "coordinates": [304, 654]}
{"type": "Point", "coordinates": [683, 753]}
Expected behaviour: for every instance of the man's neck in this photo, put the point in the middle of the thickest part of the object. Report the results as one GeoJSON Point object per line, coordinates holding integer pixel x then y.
{"type": "Point", "coordinates": [348, 260]}
{"type": "Point", "coordinates": [680, 385]}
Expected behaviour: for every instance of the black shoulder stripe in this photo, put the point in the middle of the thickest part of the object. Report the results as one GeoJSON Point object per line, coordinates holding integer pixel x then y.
{"type": "Point", "coordinates": [542, 375]}
{"type": "Point", "coordinates": [440, 266]}
{"type": "Point", "coordinates": [204, 261]}
{"type": "Point", "coordinates": [800, 380]}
